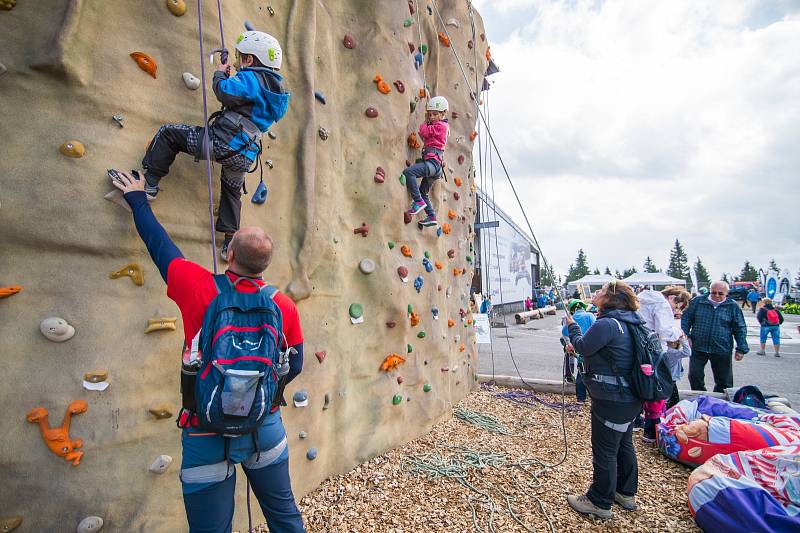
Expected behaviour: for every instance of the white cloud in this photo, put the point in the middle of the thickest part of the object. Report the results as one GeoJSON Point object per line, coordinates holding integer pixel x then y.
{"type": "Point", "coordinates": [626, 124]}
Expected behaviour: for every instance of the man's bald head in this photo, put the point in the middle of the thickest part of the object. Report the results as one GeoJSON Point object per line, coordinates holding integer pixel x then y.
{"type": "Point", "coordinates": [718, 291]}
{"type": "Point", "coordinates": [250, 251]}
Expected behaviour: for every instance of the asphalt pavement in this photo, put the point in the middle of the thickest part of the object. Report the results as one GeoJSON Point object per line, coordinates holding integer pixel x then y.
{"type": "Point", "coordinates": [537, 353]}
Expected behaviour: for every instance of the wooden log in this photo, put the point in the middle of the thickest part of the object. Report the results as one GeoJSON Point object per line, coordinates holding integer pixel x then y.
{"type": "Point", "coordinates": [523, 316]}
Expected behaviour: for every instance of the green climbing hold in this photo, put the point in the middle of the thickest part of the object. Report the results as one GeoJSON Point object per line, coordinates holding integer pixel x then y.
{"type": "Point", "coordinates": [397, 399]}
{"type": "Point", "coordinates": [409, 348]}
{"type": "Point", "coordinates": [391, 245]}
{"type": "Point", "coordinates": [469, 259]}
{"type": "Point", "coordinates": [402, 179]}
{"type": "Point", "coordinates": [423, 48]}
{"type": "Point", "coordinates": [408, 22]}
{"type": "Point", "coordinates": [426, 387]}
{"type": "Point", "coordinates": [421, 335]}
{"type": "Point", "coordinates": [356, 310]}
{"type": "Point", "coordinates": [413, 105]}
{"type": "Point", "coordinates": [410, 309]}
{"type": "Point", "coordinates": [427, 254]}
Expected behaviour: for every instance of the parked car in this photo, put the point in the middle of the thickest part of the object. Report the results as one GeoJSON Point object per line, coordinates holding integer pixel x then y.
{"type": "Point", "coordinates": [739, 289]}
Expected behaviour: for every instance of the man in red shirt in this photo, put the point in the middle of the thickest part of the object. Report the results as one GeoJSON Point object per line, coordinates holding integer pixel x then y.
{"type": "Point", "coordinates": [208, 474]}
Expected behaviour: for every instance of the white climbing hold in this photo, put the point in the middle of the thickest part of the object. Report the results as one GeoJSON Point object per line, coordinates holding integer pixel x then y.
{"type": "Point", "coordinates": [116, 197]}
{"type": "Point", "coordinates": [100, 386]}
{"type": "Point", "coordinates": [191, 81]}
{"type": "Point", "coordinates": [303, 434]}
{"type": "Point", "coordinates": [453, 22]}
{"type": "Point", "coordinates": [161, 464]}
{"type": "Point", "coordinates": [366, 266]}
{"type": "Point", "coordinates": [56, 329]}
{"type": "Point", "coordinates": [90, 524]}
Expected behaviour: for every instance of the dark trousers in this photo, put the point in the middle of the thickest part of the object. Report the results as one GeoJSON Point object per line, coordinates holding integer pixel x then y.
{"type": "Point", "coordinates": [675, 397]}
{"type": "Point", "coordinates": [172, 139]}
{"type": "Point", "coordinates": [211, 510]}
{"type": "Point", "coordinates": [419, 192]}
{"type": "Point", "coordinates": [721, 367]}
{"type": "Point", "coordinates": [613, 456]}
{"type": "Point", "coordinates": [753, 305]}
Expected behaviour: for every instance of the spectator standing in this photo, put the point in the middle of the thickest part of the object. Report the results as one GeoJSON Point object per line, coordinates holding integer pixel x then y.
{"type": "Point", "coordinates": [585, 320]}
{"type": "Point", "coordinates": [770, 319]}
{"type": "Point", "coordinates": [753, 298]}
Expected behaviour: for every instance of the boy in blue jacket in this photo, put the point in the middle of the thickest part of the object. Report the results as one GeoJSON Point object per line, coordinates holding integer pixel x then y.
{"type": "Point", "coordinates": [252, 100]}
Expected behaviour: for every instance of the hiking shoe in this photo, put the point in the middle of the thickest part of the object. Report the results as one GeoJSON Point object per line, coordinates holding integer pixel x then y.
{"type": "Point", "coordinates": [223, 252]}
{"type": "Point", "coordinates": [777, 354]}
{"type": "Point", "coordinates": [416, 207]}
{"type": "Point", "coordinates": [584, 505]}
{"type": "Point", "coordinates": [626, 502]}
{"type": "Point", "coordinates": [647, 439]}
{"type": "Point", "coordinates": [428, 222]}
{"type": "Point", "coordinates": [761, 352]}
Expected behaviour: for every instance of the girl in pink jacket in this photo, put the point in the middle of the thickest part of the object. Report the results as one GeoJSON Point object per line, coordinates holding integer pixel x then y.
{"type": "Point", "coordinates": [434, 132]}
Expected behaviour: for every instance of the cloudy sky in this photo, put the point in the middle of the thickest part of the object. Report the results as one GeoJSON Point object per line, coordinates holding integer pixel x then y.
{"type": "Point", "coordinates": [626, 124]}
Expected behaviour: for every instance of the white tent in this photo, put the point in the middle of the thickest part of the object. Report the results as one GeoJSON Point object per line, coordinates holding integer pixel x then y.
{"type": "Point", "coordinates": [653, 278]}
{"type": "Point", "coordinates": [591, 280]}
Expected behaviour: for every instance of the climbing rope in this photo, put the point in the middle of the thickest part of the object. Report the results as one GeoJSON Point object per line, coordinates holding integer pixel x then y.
{"type": "Point", "coordinates": [483, 421]}
{"type": "Point", "coordinates": [419, 45]}
{"type": "Point", "coordinates": [529, 398]}
{"type": "Point", "coordinates": [206, 140]}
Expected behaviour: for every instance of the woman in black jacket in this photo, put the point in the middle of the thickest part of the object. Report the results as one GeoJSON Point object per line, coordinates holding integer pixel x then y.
{"type": "Point", "coordinates": [614, 407]}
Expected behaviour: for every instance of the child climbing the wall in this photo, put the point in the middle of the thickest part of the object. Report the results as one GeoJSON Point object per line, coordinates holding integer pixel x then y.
{"type": "Point", "coordinates": [252, 100]}
{"type": "Point", "coordinates": [434, 132]}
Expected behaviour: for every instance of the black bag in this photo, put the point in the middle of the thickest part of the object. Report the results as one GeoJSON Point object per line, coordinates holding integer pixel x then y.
{"type": "Point", "coordinates": [647, 351]}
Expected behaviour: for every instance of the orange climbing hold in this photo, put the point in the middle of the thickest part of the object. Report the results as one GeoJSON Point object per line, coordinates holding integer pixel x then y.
{"type": "Point", "coordinates": [451, 214]}
{"type": "Point", "coordinates": [422, 93]}
{"type": "Point", "coordinates": [450, 323]}
{"type": "Point", "coordinates": [488, 53]}
{"type": "Point", "coordinates": [57, 439]}
{"type": "Point", "coordinates": [438, 265]}
{"type": "Point", "coordinates": [444, 39]}
{"type": "Point", "coordinates": [5, 292]}
{"type": "Point", "coordinates": [473, 135]}
{"type": "Point", "coordinates": [414, 319]}
{"type": "Point", "coordinates": [446, 228]}
{"type": "Point", "coordinates": [391, 362]}
{"type": "Point", "coordinates": [383, 87]}
{"type": "Point", "coordinates": [413, 142]}
{"type": "Point", "coordinates": [461, 348]}
{"type": "Point", "coordinates": [405, 250]}
{"type": "Point", "coordinates": [145, 62]}
{"type": "Point", "coordinates": [456, 272]}
{"type": "Point", "coordinates": [458, 181]}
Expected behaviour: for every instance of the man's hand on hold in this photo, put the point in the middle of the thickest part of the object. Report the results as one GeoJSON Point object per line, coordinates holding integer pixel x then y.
{"type": "Point", "coordinates": [127, 183]}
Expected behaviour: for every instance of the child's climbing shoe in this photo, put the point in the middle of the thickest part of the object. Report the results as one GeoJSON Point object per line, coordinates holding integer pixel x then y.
{"type": "Point", "coordinates": [416, 207]}
{"type": "Point", "coordinates": [428, 222]}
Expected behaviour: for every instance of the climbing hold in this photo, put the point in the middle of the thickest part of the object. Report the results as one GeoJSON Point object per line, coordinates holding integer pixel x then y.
{"type": "Point", "coordinates": [438, 265]}
{"type": "Point", "coordinates": [453, 22]}
{"type": "Point", "coordinates": [383, 87]}
{"type": "Point", "coordinates": [349, 42]}
{"type": "Point", "coordinates": [380, 175]}
{"type": "Point", "coordinates": [422, 93]}
{"type": "Point", "coordinates": [56, 329]}
{"type": "Point", "coordinates": [323, 134]}
{"type": "Point", "coordinates": [90, 524]}
{"type": "Point", "coordinates": [319, 96]}
{"type": "Point", "coordinates": [12, 522]}
{"type": "Point", "coordinates": [445, 369]}
{"type": "Point", "coordinates": [488, 54]}
{"type": "Point", "coordinates": [402, 180]}
{"type": "Point", "coordinates": [469, 259]}
{"type": "Point", "coordinates": [426, 387]}
{"type": "Point", "coordinates": [449, 292]}
{"type": "Point", "coordinates": [303, 434]}
{"type": "Point", "coordinates": [399, 86]}
{"type": "Point", "coordinates": [444, 39]}
{"type": "Point", "coordinates": [57, 438]}
{"type": "Point", "coordinates": [451, 214]}
{"type": "Point", "coordinates": [320, 355]}
{"type": "Point", "coordinates": [406, 217]}
{"type": "Point", "coordinates": [390, 324]}
{"type": "Point", "coordinates": [457, 179]}
{"type": "Point", "coordinates": [411, 48]}
{"type": "Point", "coordinates": [403, 273]}
{"type": "Point", "coordinates": [160, 411]}
{"type": "Point", "coordinates": [400, 380]}
{"type": "Point", "coordinates": [270, 11]}
{"type": "Point", "coordinates": [427, 264]}
{"type": "Point", "coordinates": [451, 253]}
{"type": "Point", "coordinates": [473, 135]}
{"type": "Point", "coordinates": [11, 290]}
{"type": "Point", "coordinates": [470, 45]}
{"type": "Point", "coordinates": [423, 48]}
{"type": "Point", "coordinates": [269, 164]}
{"type": "Point", "coordinates": [371, 112]}
{"type": "Point", "coordinates": [145, 62]}
{"type": "Point", "coordinates": [483, 37]}
{"type": "Point", "coordinates": [260, 194]}
{"type": "Point", "coordinates": [405, 250]}
{"type": "Point", "coordinates": [356, 311]}
{"type": "Point", "coordinates": [421, 335]}
{"type": "Point", "coordinates": [461, 349]}
{"type": "Point", "coordinates": [392, 361]}
{"type": "Point", "coordinates": [176, 7]}
{"type": "Point", "coordinates": [411, 8]}
{"type": "Point", "coordinates": [456, 196]}
{"type": "Point", "coordinates": [446, 228]}
{"type": "Point", "coordinates": [363, 230]}
{"type": "Point", "coordinates": [397, 399]}
{"type": "Point", "coordinates": [366, 266]}
{"type": "Point", "coordinates": [328, 400]}
{"type": "Point", "coordinates": [408, 22]}
{"type": "Point", "coordinates": [248, 26]}
{"type": "Point", "coordinates": [161, 464]}
{"type": "Point", "coordinates": [456, 272]}
{"type": "Point", "coordinates": [161, 324]}
{"type": "Point", "coordinates": [413, 142]}
{"type": "Point", "coordinates": [300, 398]}
{"type": "Point", "coordinates": [119, 119]}
{"type": "Point", "coordinates": [418, 59]}
{"type": "Point", "coordinates": [435, 313]}
{"type": "Point", "coordinates": [271, 135]}
{"type": "Point", "coordinates": [7, 5]}
{"type": "Point", "coordinates": [414, 319]}
{"type": "Point", "coordinates": [311, 454]}
{"type": "Point", "coordinates": [95, 380]}
{"type": "Point", "coordinates": [72, 149]}
{"type": "Point", "coordinates": [430, 11]}
{"type": "Point", "coordinates": [418, 281]}
{"type": "Point", "coordinates": [409, 309]}
{"type": "Point", "coordinates": [412, 105]}
{"type": "Point", "coordinates": [461, 159]}
{"type": "Point", "coordinates": [450, 323]}
{"type": "Point", "coordinates": [391, 245]}
{"type": "Point", "coordinates": [131, 270]}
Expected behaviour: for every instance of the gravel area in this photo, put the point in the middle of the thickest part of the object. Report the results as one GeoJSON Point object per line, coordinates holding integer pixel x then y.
{"type": "Point", "coordinates": [383, 496]}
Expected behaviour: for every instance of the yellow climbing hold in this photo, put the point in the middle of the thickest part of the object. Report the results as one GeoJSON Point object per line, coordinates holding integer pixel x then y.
{"type": "Point", "coordinates": [161, 324]}
{"type": "Point", "coordinates": [176, 7]}
{"type": "Point", "coordinates": [72, 149]}
{"type": "Point", "coordinates": [96, 376]}
{"type": "Point", "coordinates": [161, 411]}
{"type": "Point", "coordinates": [131, 270]}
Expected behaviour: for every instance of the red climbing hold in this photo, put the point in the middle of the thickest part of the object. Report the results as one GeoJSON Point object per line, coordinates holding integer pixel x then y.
{"type": "Point", "coordinates": [406, 217]}
{"type": "Point", "coordinates": [390, 324]}
{"type": "Point", "coordinates": [411, 47]}
{"type": "Point", "coordinates": [363, 230]}
{"type": "Point", "coordinates": [461, 159]}
{"type": "Point", "coordinates": [399, 86]}
{"type": "Point", "coordinates": [454, 115]}
{"type": "Point", "coordinates": [371, 112]}
{"type": "Point", "coordinates": [411, 6]}
{"type": "Point", "coordinates": [403, 273]}
{"type": "Point", "coordinates": [380, 175]}
{"type": "Point", "coordinates": [451, 253]}
{"type": "Point", "coordinates": [483, 36]}
{"type": "Point", "coordinates": [400, 380]}
{"type": "Point", "coordinates": [320, 355]}
{"type": "Point", "coordinates": [456, 195]}
{"type": "Point", "coordinates": [408, 163]}
{"type": "Point", "coordinates": [413, 142]}
{"type": "Point", "coordinates": [349, 42]}
{"type": "Point", "coordinates": [445, 369]}
{"type": "Point", "coordinates": [470, 44]}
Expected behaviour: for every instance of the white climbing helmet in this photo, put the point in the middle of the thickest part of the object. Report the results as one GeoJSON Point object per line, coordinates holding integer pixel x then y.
{"type": "Point", "coordinates": [437, 103]}
{"type": "Point", "coordinates": [262, 45]}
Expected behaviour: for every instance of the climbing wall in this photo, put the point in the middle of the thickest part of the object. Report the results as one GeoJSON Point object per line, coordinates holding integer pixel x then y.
{"type": "Point", "coordinates": [92, 332]}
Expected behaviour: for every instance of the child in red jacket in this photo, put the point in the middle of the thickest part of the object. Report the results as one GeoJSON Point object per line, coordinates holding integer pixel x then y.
{"type": "Point", "coordinates": [434, 132]}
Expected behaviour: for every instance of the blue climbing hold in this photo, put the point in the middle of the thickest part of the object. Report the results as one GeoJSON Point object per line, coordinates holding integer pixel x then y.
{"type": "Point", "coordinates": [311, 454]}
{"type": "Point", "coordinates": [260, 195]}
{"type": "Point", "coordinates": [319, 96]}
{"type": "Point", "coordinates": [427, 264]}
{"type": "Point", "coordinates": [417, 60]}
{"type": "Point", "coordinates": [418, 283]}
{"type": "Point", "coordinates": [439, 231]}
{"type": "Point", "coordinates": [248, 26]}
{"type": "Point", "coordinates": [435, 313]}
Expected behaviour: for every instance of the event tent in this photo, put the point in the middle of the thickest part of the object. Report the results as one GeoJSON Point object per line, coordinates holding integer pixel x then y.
{"type": "Point", "coordinates": [652, 278]}
{"type": "Point", "coordinates": [591, 280]}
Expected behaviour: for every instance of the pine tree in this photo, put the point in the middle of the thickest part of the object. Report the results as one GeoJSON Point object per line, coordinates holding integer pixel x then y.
{"type": "Point", "coordinates": [580, 268]}
{"type": "Point", "coordinates": [700, 271]}
{"type": "Point", "coordinates": [596, 271]}
{"type": "Point", "coordinates": [748, 273]}
{"type": "Point", "coordinates": [617, 274]}
{"type": "Point", "coordinates": [546, 278]}
{"type": "Point", "coordinates": [773, 265]}
{"type": "Point", "coordinates": [726, 278]}
{"type": "Point", "coordinates": [629, 272]}
{"type": "Point", "coordinates": [607, 272]}
{"type": "Point", "coordinates": [649, 266]}
{"type": "Point", "coordinates": [678, 262]}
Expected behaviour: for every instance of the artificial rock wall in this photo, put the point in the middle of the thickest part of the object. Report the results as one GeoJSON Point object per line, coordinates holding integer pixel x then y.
{"type": "Point", "coordinates": [65, 71]}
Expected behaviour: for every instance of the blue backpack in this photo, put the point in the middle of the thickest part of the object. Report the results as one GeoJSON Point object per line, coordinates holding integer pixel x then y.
{"type": "Point", "coordinates": [241, 354]}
